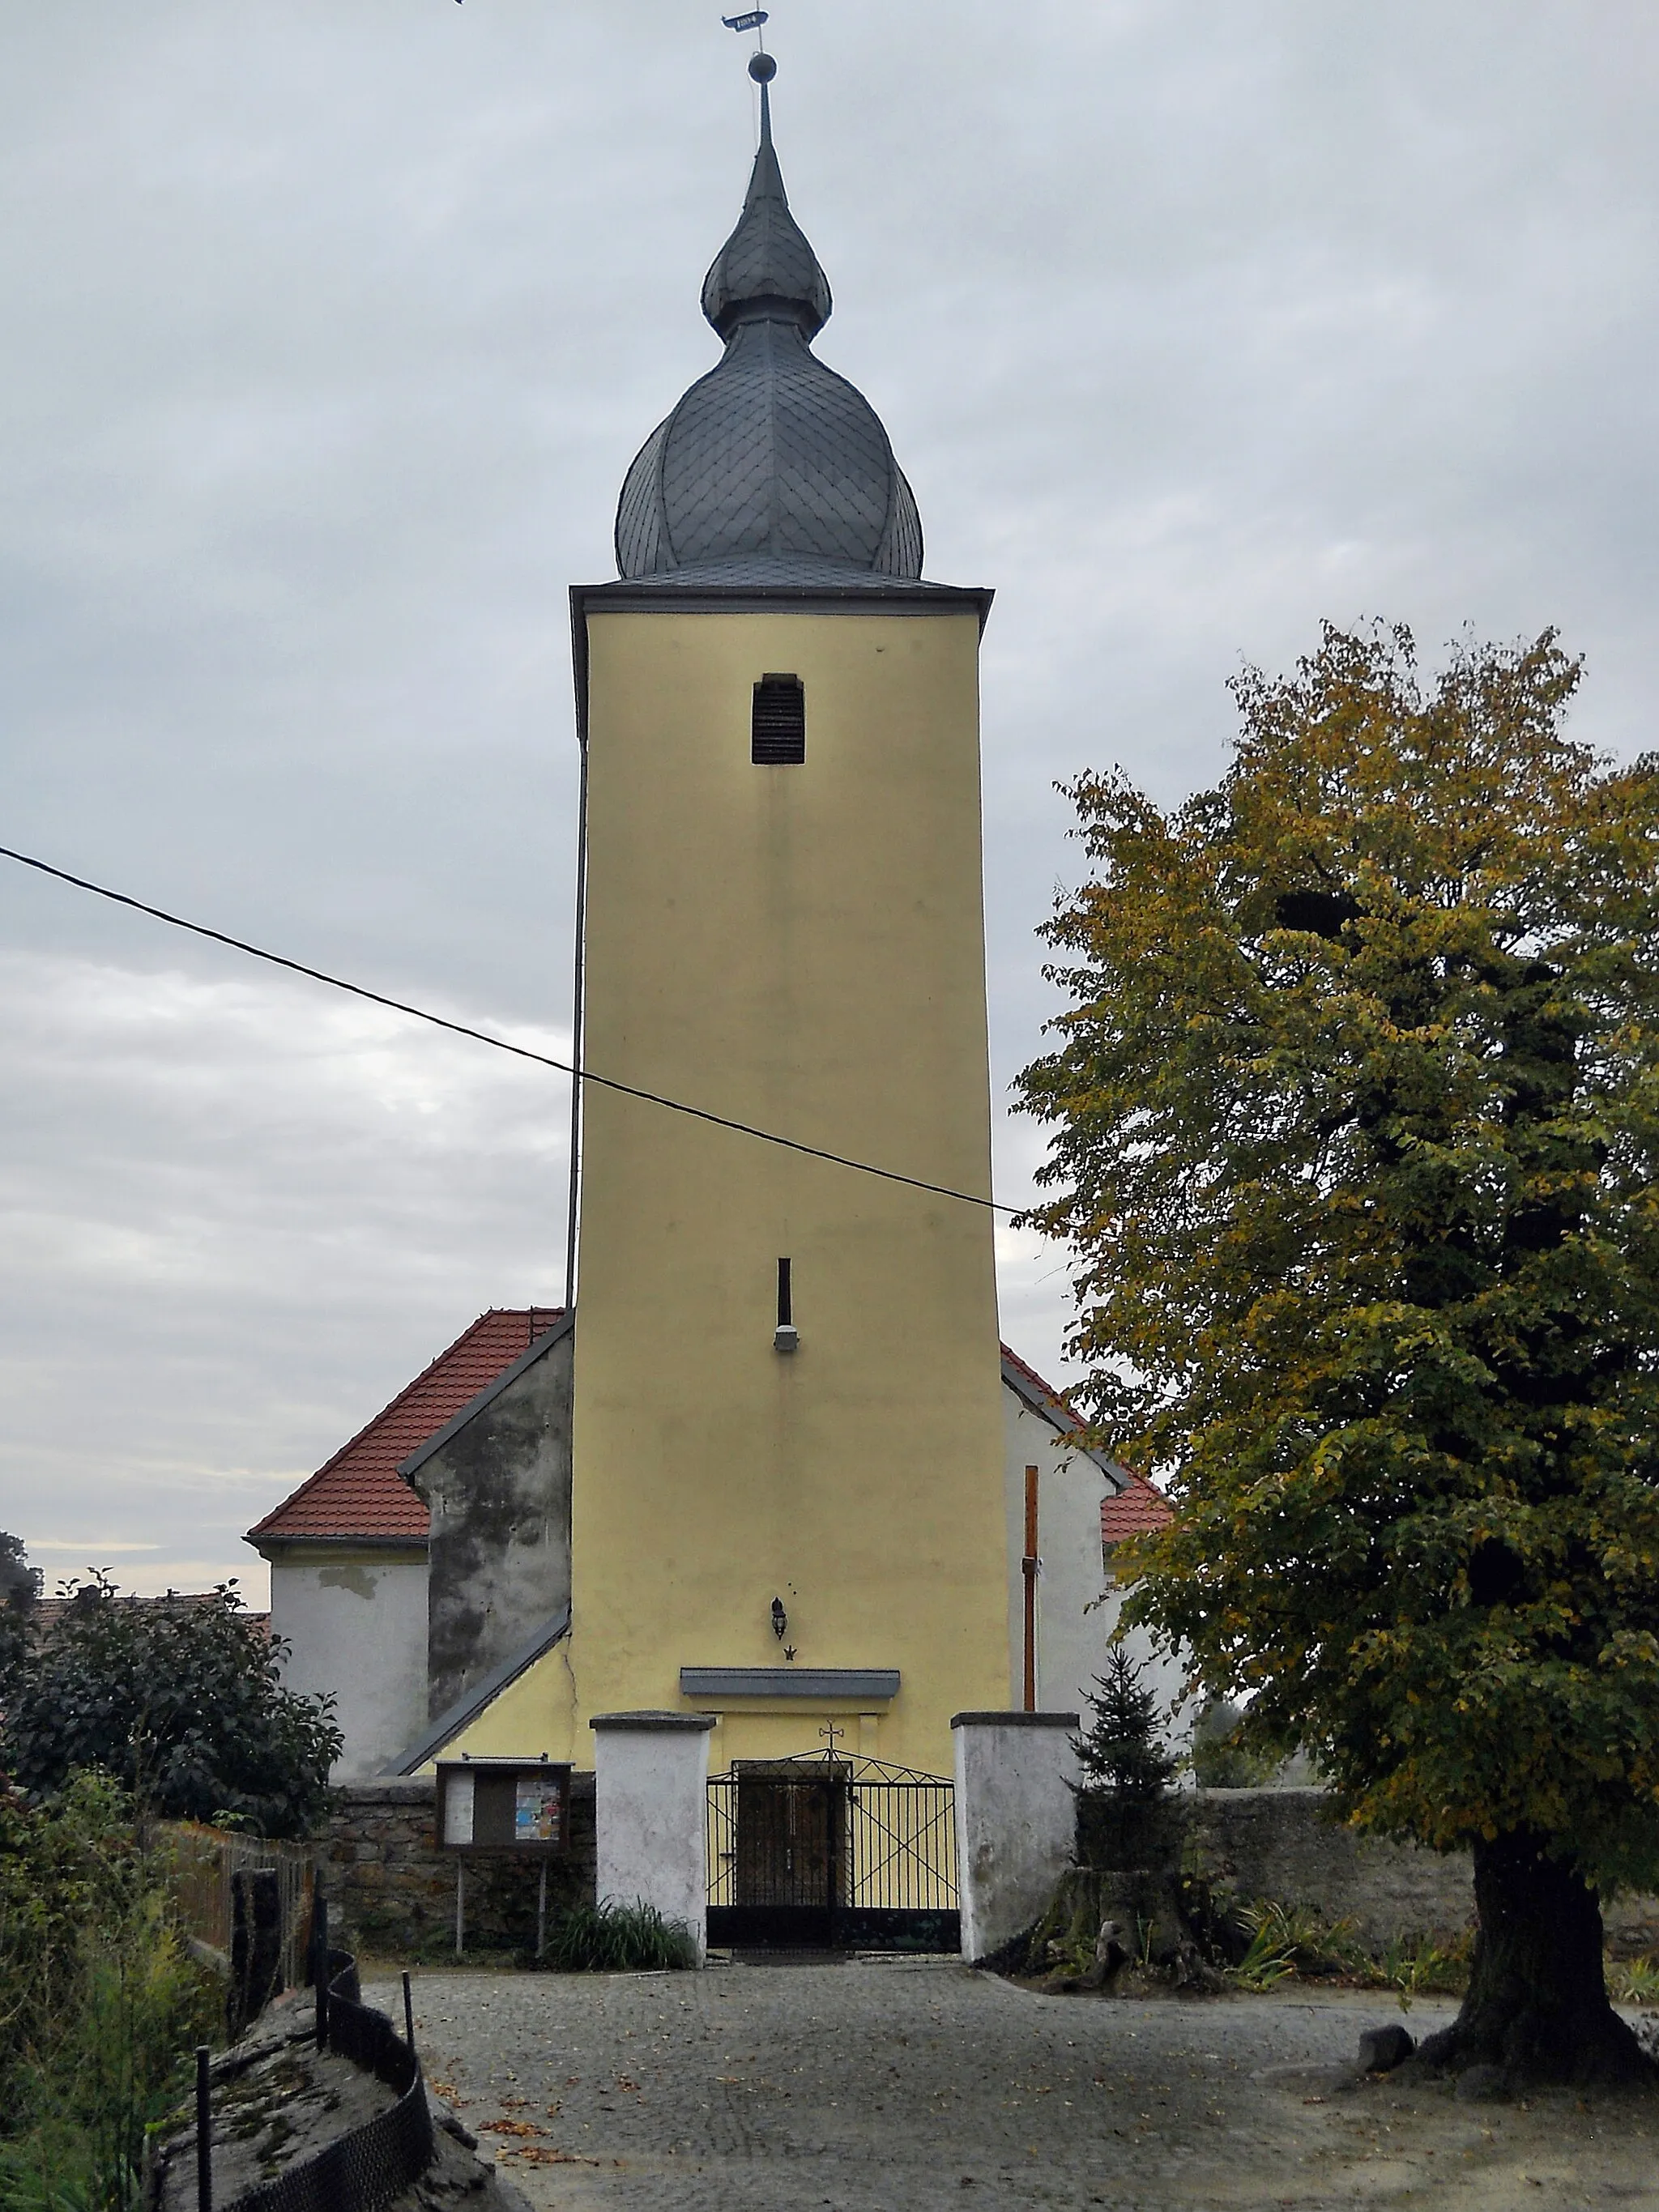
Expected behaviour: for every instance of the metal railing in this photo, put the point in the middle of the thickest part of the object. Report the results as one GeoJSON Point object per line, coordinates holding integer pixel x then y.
{"type": "Point", "coordinates": [826, 1849]}
{"type": "Point", "coordinates": [820, 1830]}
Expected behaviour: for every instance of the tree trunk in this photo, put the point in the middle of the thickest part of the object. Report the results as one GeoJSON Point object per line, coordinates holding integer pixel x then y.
{"type": "Point", "coordinates": [1537, 2005]}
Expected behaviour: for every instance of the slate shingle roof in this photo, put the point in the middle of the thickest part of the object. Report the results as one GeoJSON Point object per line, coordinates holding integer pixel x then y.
{"type": "Point", "coordinates": [768, 257]}
{"type": "Point", "coordinates": [771, 455]}
{"type": "Point", "coordinates": [359, 1493]}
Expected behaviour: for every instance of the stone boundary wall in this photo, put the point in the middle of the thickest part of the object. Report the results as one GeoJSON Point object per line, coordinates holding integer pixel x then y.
{"type": "Point", "coordinates": [1283, 1844]}
{"type": "Point", "coordinates": [392, 1891]}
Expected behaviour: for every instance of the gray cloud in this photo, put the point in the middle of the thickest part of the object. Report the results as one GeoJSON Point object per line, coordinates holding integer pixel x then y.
{"type": "Point", "coordinates": [330, 332]}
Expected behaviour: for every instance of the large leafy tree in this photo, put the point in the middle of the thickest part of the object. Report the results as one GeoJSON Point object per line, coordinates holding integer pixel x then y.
{"type": "Point", "coordinates": [1358, 1146]}
{"type": "Point", "coordinates": [180, 1700]}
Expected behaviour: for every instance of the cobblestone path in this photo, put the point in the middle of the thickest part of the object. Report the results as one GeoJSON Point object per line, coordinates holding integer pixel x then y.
{"type": "Point", "coordinates": [904, 2086]}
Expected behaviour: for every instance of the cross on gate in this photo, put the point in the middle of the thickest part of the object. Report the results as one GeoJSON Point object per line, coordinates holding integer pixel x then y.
{"type": "Point", "coordinates": [832, 1736]}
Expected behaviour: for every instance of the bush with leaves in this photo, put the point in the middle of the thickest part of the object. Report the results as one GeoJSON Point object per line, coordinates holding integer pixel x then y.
{"type": "Point", "coordinates": [19, 1583]}
{"type": "Point", "coordinates": [101, 2002]}
{"type": "Point", "coordinates": [181, 1701]}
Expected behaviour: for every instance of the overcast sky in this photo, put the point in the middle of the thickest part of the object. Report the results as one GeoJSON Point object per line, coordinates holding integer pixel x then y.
{"type": "Point", "coordinates": [329, 329]}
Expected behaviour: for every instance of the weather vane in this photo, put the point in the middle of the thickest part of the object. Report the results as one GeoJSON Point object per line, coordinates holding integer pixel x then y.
{"type": "Point", "coordinates": [762, 67]}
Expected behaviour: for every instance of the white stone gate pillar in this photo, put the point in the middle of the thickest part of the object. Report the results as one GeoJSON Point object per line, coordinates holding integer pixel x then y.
{"type": "Point", "coordinates": [1016, 1820]}
{"type": "Point", "coordinates": [650, 1786]}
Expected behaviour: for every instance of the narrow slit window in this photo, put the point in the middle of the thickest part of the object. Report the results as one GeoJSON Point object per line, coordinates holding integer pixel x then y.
{"type": "Point", "coordinates": [778, 727]}
{"type": "Point", "coordinates": [785, 1337]}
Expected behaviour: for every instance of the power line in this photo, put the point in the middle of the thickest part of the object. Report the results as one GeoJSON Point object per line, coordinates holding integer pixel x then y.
{"type": "Point", "coordinates": [500, 1044]}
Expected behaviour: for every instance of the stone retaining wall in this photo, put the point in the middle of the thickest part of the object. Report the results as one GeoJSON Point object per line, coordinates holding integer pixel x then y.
{"type": "Point", "coordinates": [392, 1891]}
{"type": "Point", "coordinates": [1282, 1844]}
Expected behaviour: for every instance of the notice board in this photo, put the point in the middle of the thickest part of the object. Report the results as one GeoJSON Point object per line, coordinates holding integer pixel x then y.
{"type": "Point", "coordinates": [516, 1806]}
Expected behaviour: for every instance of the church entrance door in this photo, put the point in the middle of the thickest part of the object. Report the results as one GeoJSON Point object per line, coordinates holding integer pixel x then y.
{"type": "Point", "coordinates": [789, 1868]}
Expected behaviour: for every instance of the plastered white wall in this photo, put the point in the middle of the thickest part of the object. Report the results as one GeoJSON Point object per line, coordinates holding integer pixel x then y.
{"type": "Point", "coordinates": [1162, 1672]}
{"type": "Point", "coordinates": [1077, 1610]}
{"type": "Point", "coordinates": [1016, 1820]}
{"type": "Point", "coordinates": [356, 1623]}
{"type": "Point", "coordinates": [650, 1805]}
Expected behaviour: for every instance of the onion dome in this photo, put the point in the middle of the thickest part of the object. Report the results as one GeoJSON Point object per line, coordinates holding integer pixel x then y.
{"type": "Point", "coordinates": [771, 460]}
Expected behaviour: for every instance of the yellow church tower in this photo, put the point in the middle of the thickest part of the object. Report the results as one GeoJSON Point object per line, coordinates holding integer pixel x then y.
{"type": "Point", "coordinates": [788, 1483]}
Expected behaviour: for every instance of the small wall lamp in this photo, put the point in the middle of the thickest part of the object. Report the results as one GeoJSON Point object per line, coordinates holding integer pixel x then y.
{"type": "Point", "coordinates": [780, 1620]}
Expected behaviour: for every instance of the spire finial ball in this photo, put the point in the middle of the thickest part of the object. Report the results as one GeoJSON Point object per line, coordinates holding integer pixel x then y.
{"type": "Point", "coordinates": [763, 68]}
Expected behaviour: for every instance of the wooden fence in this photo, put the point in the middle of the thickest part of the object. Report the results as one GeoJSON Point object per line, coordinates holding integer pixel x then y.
{"type": "Point", "coordinates": [204, 1862]}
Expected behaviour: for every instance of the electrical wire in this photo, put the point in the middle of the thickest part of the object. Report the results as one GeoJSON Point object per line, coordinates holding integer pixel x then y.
{"type": "Point", "coordinates": [499, 1044]}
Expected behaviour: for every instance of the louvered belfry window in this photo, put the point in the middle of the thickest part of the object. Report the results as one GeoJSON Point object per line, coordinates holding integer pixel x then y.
{"type": "Point", "coordinates": [780, 722]}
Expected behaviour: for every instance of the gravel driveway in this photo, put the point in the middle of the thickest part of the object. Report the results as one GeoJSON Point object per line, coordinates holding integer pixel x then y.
{"type": "Point", "coordinates": [904, 2086]}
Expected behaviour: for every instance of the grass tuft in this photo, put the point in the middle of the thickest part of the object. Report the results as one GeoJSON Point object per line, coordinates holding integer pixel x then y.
{"type": "Point", "coordinates": [609, 1938]}
{"type": "Point", "coordinates": [1633, 1981]}
{"type": "Point", "coordinates": [1286, 1941]}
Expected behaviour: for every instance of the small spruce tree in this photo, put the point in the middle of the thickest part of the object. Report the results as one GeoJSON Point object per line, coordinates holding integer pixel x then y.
{"type": "Point", "coordinates": [1123, 1749]}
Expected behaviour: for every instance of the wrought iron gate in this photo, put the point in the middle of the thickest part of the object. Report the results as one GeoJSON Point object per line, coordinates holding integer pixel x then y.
{"type": "Point", "coordinates": [828, 1852]}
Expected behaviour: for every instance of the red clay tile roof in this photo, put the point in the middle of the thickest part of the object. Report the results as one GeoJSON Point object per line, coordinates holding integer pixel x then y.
{"type": "Point", "coordinates": [43, 1615]}
{"type": "Point", "coordinates": [1133, 1511]}
{"type": "Point", "coordinates": [359, 1492]}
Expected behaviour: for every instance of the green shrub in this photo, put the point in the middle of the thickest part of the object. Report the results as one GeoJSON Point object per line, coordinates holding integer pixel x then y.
{"type": "Point", "coordinates": [1264, 1964]}
{"type": "Point", "coordinates": [100, 2002]}
{"type": "Point", "coordinates": [616, 1939]}
{"type": "Point", "coordinates": [1288, 1941]}
{"type": "Point", "coordinates": [1289, 1938]}
{"type": "Point", "coordinates": [181, 1699]}
{"type": "Point", "coordinates": [1422, 1967]}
